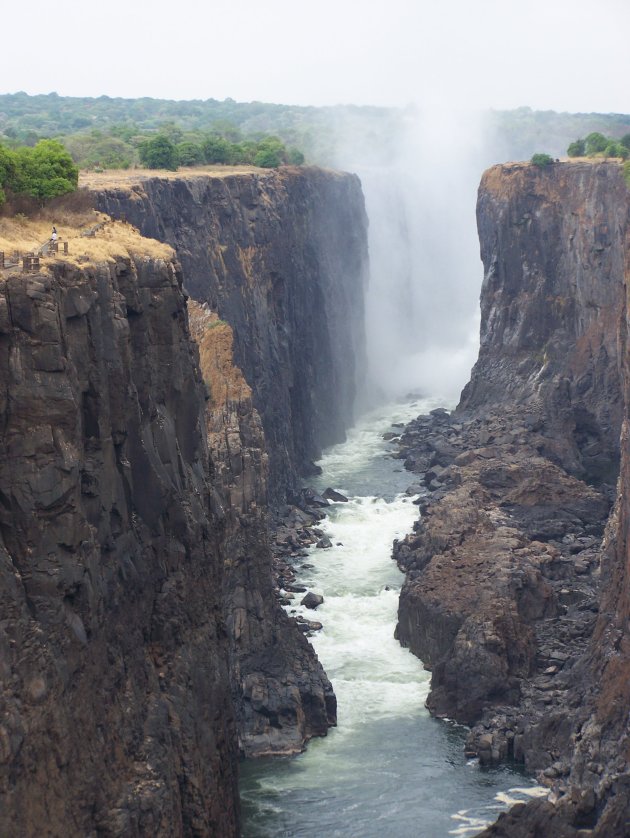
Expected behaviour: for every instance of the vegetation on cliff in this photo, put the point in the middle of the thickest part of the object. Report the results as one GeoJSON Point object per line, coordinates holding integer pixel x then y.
{"type": "Point", "coordinates": [164, 151]}
{"type": "Point", "coordinates": [43, 172]}
{"type": "Point", "coordinates": [597, 144]}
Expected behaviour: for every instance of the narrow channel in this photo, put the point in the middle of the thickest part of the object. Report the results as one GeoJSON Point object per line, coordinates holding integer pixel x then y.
{"type": "Point", "coordinates": [388, 768]}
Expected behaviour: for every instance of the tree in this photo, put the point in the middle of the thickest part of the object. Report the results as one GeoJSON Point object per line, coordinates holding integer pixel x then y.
{"type": "Point", "coordinates": [270, 154]}
{"type": "Point", "coordinates": [45, 171]}
{"type": "Point", "coordinates": [615, 149]}
{"type": "Point", "coordinates": [158, 153]}
{"type": "Point", "coordinates": [189, 154]}
{"type": "Point", "coordinates": [295, 156]}
{"type": "Point", "coordinates": [8, 171]}
{"type": "Point", "coordinates": [542, 160]}
{"type": "Point", "coordinates": [625, 141]}
{"type": "Point", "coordinates": [216, 149]}
{"type": "Point", "coordinates": [577, 149]}
{"type": "Point", "coordinates": [595, 142]}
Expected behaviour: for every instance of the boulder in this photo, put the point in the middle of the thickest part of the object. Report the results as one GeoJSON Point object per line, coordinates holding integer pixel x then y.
{"type": "Point", "coordinates": [336, 497]}
{"type": "Point", "coordinates": [312, 600]}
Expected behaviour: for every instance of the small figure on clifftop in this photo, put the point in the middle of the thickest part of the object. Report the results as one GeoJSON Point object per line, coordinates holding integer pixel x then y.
{"type": "Point", "coordinates": [53, 235]}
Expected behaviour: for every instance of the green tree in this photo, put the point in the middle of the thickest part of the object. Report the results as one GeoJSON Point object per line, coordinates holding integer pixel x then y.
{"type": "Point", "coordinates": [189, 154]}
{"type": "Point", "coordinates": [216, 149]}
{"type": "Point", "coordinates": [615, 149]}
{"type": "Point", "coordinates": [595, 142]}
{"type": "Point", "coordinates": [8, 171]}
{"type": "Point", "coordinates": [625, 141]}
{"type": "Point", "coordinates": [45, 171]}
{"type": "Point", "coordinates": [577, 149]}
{"type": "Point", "coordinates": [271, 153]}
{"type": "Point", "coordinates": [158, 153]}
{"type": "Point", "coordinates": [295, 156]}
{"type": "Point", "coordinates": [542, 160]}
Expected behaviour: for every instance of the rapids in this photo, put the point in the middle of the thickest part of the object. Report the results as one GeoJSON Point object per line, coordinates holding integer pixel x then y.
{"type": "Point", "coordinates": [388, 768]}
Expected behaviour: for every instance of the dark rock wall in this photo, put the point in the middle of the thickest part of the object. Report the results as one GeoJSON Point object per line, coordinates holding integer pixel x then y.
{"type": "Point", "coordinates": [282, 257]}
{"type": "Point", "coordinates": [552, 244]}
{"type": "Point", "coordinates": [282, 696]}
{"type": "Point", "coordinates": [515, 552]}
{"type": "Point", "coordinates": [115, 711]}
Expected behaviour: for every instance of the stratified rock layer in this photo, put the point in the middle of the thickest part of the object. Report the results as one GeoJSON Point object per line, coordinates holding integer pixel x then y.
{"type": "Point", "coordinates": [115, 710]}
{"type": "Point", "coordinates": [504, 597]}
{"type": "Point", "coordinates": [282, 257]}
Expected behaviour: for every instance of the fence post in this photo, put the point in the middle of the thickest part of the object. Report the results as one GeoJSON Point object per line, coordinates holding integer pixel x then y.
{"type": "Point", "coordinates": [65, 248]}
{"type": "Point", "coordinates": [1, 258]}
{"type": "Point", "coordinates": [26, 263]}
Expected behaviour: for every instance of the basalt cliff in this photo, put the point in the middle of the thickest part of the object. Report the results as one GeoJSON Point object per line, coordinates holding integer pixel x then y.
{"type": "Point", "coordinates": [282, 257]}
{"type": "Point", "coordinates": [142, 644]}
{"type": "Point", "coordinates": [516, 592]}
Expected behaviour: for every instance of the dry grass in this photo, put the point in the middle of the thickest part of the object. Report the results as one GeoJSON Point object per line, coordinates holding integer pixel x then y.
{"type": "Point", "coordinates": [214, 337]}
{"type": "Point", "coordinates": [110, 241]}
{"type": "Point", "coordinates": [129, 177]}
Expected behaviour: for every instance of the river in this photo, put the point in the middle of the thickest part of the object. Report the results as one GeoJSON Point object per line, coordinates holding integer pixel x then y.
{"type": "Point", "coordinates": [388, 768]}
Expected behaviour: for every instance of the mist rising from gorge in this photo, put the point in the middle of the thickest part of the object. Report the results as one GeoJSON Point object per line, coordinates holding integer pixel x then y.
{"type": "Point", "coordinates": [425, 272]}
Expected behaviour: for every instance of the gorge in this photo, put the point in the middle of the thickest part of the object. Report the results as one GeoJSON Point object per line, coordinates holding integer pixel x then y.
{"type": "Point", "coordinates": [147, 435]}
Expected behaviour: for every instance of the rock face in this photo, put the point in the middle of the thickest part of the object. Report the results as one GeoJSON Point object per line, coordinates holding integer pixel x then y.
{"type": "Point", "coordinates": [282, 257]}
{"type": "Point", "coordinates": [281, 693]}
{"type": "Point", "coordinates": [552, 244]}
{"type": "Point", "coordinates": [517, 580]}
{"type": "Point", "coordinates": [115, 708]}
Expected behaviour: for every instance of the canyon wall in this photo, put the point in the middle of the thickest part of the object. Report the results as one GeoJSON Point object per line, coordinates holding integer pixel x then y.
{"type": "Point", "coordinates": [516, 592]}
{"type": "Point", "coordinates": [282, 257]}
{"type": "Point", "coordinates": [282, 696]}
{"type": "Point", "coordinates": [116, 716]}
{"type": "Point", "coordinates": [142, 642]}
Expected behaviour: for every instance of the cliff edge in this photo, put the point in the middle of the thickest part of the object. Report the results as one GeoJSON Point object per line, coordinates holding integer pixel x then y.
{"type": "Point", "coordinates": [116, 714]}
{"type": "Point", "coordinates": [516, 594]}
{"type": "Point", "coordinates": [282, 257]}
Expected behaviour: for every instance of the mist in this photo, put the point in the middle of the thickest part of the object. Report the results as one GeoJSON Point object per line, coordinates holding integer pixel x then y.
{"type": "Point", "coordinates": [420, 187]}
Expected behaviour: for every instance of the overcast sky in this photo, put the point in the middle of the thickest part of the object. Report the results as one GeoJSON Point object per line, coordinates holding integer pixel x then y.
{"type": "Point", "coordinates": [561, 54]}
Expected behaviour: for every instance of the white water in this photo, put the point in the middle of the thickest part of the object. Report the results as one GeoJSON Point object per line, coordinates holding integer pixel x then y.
{"type": "Point", "coordinates": [388, 768]}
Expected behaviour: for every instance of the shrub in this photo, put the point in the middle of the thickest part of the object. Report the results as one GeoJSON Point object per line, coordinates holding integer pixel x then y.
{"type": "Point", "coordinates": [542, 160]}
{"type": "Point", "coordinates": [45, 171]}
{"type": "Point", "coordinates": [614, 149]}
{"type": "Point", "coordinates": [271, 153]}
{"type": "Point", "coordinates": [295, 156]}
{"type": "Point", "coordinates": [626, 173]}
{"type": "Point", "coordinates": [595, 142]}
{"type": "Point", "coordinates": [158, 153]}
{"type": "Point", "coordinates": [577, 149]}
{"type": "Point", "coordinates": [189, 154]}
{"type": "Point", "coordinates": [216, 150]}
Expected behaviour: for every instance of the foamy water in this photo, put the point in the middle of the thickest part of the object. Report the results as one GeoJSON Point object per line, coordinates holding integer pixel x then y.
{"type": "Point", "coordinates": [388, 768]}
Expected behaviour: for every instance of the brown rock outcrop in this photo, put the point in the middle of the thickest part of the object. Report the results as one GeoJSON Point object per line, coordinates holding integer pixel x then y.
{"type": "Point", "coordinates": [115, 710]}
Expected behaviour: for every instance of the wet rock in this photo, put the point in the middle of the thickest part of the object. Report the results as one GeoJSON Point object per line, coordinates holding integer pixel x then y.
{"type": "Point", "coordinates": [336, 497]}
{"type": "Point", "coordinates": [324, 543]}
{"type": "Point", "coordinates": [312, 600]}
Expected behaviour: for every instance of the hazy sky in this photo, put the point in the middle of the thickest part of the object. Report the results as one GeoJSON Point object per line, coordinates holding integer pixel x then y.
{"type": "Point", "coordinates": [560, 54]}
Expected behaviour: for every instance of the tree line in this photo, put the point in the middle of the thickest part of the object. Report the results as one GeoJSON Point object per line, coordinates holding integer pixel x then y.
{"type": "Point", "coordinates": [161, 152]}
{"type": "Point", "coordinates": [596, 144]}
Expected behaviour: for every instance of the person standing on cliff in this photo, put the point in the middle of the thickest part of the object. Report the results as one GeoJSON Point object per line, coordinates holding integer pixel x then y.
{"type": "Point", "coordinates": [53, 235]}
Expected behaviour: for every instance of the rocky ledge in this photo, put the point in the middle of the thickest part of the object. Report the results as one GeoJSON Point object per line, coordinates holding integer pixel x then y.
{"type": "Point", "coordinates": [502, 573]}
